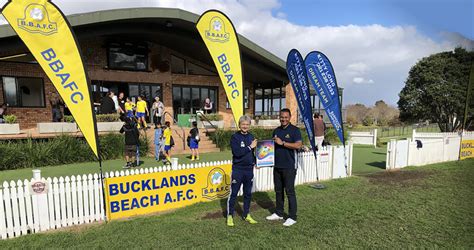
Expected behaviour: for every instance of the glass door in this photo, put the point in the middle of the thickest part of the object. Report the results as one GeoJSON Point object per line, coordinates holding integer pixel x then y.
{"type": "Point", "coordinates": [148, 91]}
{"type": "Point", "coordinates": [188, 100]}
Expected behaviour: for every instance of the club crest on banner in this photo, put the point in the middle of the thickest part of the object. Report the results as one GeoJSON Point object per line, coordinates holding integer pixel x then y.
{"type": "Point", "coordinates": [217, 32]}
{"type": "Point", "coordinates": [36, 20]}
{"type": "Point", "coordinates": [217, 185]}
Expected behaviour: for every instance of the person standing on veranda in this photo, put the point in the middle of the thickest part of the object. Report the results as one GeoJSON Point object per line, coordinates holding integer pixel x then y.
{"type": "Point", "coordinates": [157, 110]}
{"type": "Point", "coordinates": [287, 140]}
{"type": "Point", "coordinates": [243, 144]}
{"type": "Point", "coordinates": [318, 130]}
{"type": "Point", "coordinates": [208, 105]}
{"type": "Point", "coordinates": [142, 111]}
{"type": "Point", "coordinates": [121, 103]}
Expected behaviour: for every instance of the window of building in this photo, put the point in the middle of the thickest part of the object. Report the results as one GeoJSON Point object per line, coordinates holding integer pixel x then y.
{"type": "Point", "coordinates": [178, 65]}
{"type": "Point", "coordinates": [246, 99]}
{"type": "Point", "coordinates": [23, 91]}
{"type": "Point", "coordinates": [194, 69]}
{"type": "Point", "coordinates": [128, 56]}
{"type": "Point", "coordinates": [189, 99]}
{"type": "Point", "coordinates": [315, 103]}
{"type": "Point", "coordinates": [269, 101]}
{"type": "Point", "coordinates": [132, 90]}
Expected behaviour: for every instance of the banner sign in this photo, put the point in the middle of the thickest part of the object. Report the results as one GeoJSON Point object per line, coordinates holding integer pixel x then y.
{"type": "Point", "coordinates": [467, 149]}
{"type": "Point", "coordinates": [299, 81]}
{"type": "Point", "coordinates": [154, 192]}
{"type": "Point", "coordinates": [321, 75]}
{"type": "Point", "coordinates": [39, 187]}
{"type": "Point", "coordinates": [47, 34]}
{"type": "Point", "coordinates": [219, 35]}
{"type": "Point", "coordinates": [265, 153]}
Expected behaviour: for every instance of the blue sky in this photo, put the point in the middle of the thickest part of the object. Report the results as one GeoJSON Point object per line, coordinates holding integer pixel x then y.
{"type": "Point", "coordinates": [430, 16]}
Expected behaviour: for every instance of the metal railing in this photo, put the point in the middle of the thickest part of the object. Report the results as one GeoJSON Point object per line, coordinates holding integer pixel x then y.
{"type": "Point", "coordinates": [183, 136]}
{"type": "Point", "coordinates": [201, 116]}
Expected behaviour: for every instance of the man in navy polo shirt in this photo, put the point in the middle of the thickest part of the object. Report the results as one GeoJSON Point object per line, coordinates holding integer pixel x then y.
{"type": "Point", "coordinates": [287, 139]}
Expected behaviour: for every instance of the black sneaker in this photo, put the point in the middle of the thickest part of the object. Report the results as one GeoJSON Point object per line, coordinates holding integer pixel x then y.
{"type": "Point", "coordinates": [127, 166]}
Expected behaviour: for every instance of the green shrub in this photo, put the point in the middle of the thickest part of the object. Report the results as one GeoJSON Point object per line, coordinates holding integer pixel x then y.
{"type": "Point", "coordinates": [368, 121]}
{"type": "Point", "coordinates": [331, 136]}
{"type": "Point", "coordinates": [213, 117]}
{"type": "Point", "coordinates": [63, 149]}
{"type": "Point", "coordinates": [10, 119]}
{"type": "Point", "coordinates": [222, 137]}
{"type": "Point", "coordinates": [266, 117]}
{"type": "Point", "coordinates": [108, 118]}
{"type": "Point", "coordinates": [100, 118]}
{"type": "Point", "coordinates": [69, 118]}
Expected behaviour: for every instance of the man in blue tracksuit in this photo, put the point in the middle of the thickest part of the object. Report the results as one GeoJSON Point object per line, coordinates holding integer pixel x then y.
{"type": "Point", "coordinates": [243, 161]}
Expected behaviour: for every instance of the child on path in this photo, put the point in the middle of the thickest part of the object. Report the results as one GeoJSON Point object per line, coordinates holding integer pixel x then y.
{"type": "Point", "coordinates": [167, 139]}
{"type": "Point", "coordinates": [158, 140]}
{"type": "Point", "coordinates": [194, 142]}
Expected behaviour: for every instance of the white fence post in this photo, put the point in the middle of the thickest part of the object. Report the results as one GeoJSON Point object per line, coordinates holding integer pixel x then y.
{"type": "Point", "coordinates": [3, 226]}
{"type": "Point", "coordinates": [375, 137]}
{"type": "Point", "coordinates": [42, 203]}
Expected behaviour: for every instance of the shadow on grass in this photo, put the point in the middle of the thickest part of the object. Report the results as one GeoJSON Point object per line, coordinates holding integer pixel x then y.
{"type": "Point", "coordinates": [260, 200]}
{"type": "Point", "coordinates": [379, 153]}
{"type": "Point", "coordinates": [377, 164]}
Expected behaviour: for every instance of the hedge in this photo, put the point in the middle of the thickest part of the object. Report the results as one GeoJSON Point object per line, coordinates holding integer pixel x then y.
{"type": "Point", "coordinates": [221, 137]}
{"type": "Point", "coordinates": [59, 150]}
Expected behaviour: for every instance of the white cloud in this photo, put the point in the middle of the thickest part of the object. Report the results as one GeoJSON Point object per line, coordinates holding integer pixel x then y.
{"type": "Point", "coordinates": [362, 80]}
{"type": "Point", "coordinates": [357, 68]}
{"type": "Point", "coordinates": [375, 55]}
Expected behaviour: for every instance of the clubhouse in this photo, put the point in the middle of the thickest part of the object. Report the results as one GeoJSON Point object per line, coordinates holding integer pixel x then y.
{"type": "Point", "coordinates": [150, 52]}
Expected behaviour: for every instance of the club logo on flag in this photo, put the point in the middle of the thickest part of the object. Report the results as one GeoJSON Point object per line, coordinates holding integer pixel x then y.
{"type": "Point", "coordinates": [222, 42]}
{"type": "Point", "coordinates": [217, 185]}
{"type": "Point", "coordinates": [216, 32]}
{"type": "Point", "coordinates": [36, 20]}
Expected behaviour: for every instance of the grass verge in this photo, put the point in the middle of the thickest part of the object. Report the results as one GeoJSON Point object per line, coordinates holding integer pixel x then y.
{"type": "Point", "coordinates": [423, 207]}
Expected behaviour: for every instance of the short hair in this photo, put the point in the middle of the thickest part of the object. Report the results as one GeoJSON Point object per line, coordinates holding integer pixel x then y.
{"type": "Point", "coordinates": [285, 110]}
{"type": "Point", "coordinates": [245, 118]}
{"type": "Point", "coordinates": [195, 124]}
{"type": "Point", "coordinates": [316, 115]}
{"type": "Point", "coordinates": [167, 123]}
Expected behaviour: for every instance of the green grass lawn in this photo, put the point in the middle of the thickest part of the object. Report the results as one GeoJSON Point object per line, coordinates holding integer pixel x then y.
{"type": "Point", "coordinates": [366, 160]}
{"type": "Point", "coordinates": [93, 167]}
{"type": "Point", "coordinates": [422, 207]}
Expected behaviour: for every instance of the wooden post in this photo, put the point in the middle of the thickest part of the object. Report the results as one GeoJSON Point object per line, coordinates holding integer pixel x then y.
{"type": "Point", "coordinates": [41, 198]}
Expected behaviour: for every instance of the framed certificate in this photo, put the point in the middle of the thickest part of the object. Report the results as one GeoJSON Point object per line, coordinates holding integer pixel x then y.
{"type": "Point", "coordinates": [265, 153]}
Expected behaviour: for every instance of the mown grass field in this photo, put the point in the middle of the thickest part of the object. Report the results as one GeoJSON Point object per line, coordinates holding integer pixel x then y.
{"type": "Point", "coordinates": [422, 207]}
{"type": "Point", "coordinates": [366, 160]}
{"type": "Point", "coordinates": [109, 165]}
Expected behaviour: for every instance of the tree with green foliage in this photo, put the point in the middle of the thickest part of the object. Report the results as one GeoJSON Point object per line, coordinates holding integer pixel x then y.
{"type": "Point", "coordinates": [436, 89]}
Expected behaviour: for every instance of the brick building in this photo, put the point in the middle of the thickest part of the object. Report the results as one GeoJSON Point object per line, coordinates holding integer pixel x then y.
{"type": "Point", "coordinates": [147, 51]}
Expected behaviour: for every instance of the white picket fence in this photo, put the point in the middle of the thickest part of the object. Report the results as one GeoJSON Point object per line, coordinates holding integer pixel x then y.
{"type": "Point", "coordinates": [436, 147]}
{"type": "Point", "coordinates": [78, 199]}
{"type": "Point", "coordinates": [364, 137]}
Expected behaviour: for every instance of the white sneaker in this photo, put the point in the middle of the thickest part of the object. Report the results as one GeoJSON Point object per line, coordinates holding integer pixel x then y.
{"type": "Point", "coordinates": [274, 217]}
{"type": "Point", "coordinates": [289, 222]}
